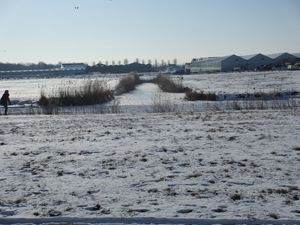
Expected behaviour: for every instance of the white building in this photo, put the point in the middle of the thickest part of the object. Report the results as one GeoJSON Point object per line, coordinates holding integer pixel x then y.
{"type": "Point", "coordinates": [257, 60]}
{"type": "Point", "coordinates": [281, 56]}
{"type": "Point", "coordinates": [73, 66]}
{"type": "Point", "coordinates": [234, 62]}
{"type": "Point", "coordinates": [65, 70]}
{"type": "Point", "coordinates": [224, 64]}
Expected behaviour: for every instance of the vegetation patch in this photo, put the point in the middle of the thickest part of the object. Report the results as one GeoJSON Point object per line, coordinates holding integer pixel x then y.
{"type": "Point", "coordinates": [92, 91]}
{"type": "Point", "coordinates": [200, 96]}
{"type": "Point", "coordinates": [296, 148]}
{"type": "Point", "coordinates": [162, 104]}
{"type": "Point", "coordinates": [127, 83]}
{"type": "Point", "coordinates": [167, 84]}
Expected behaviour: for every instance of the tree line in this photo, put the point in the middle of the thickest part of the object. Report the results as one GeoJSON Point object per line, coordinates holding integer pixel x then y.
{"type": "Point", "coordinates": [120, 68]}
{"type": "Point", "coordinates": [27, 66]}
{"type": "Point", "coordinates": [103, 68]}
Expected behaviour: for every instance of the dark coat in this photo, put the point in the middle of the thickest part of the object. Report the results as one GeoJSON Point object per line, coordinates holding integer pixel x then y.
{"type": "Point", "coordinates": [5, 99]}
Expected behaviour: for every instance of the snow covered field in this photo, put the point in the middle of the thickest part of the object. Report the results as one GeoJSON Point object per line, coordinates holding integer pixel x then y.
{"type": "Point", "coordinates": [184, 167]}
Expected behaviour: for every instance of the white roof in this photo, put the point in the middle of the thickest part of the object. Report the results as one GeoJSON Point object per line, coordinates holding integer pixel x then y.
{"type": "Point", "coordinates": [73, 66]}
{"type": "Point", "coordinates": [276, 55]}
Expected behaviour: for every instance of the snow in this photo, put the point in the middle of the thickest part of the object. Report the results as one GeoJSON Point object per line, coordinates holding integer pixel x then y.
{"type": "Point", "coordinates": [190, 166]}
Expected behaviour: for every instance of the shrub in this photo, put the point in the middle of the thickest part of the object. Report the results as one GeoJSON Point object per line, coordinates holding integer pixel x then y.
{"type": "Point", "coordinates": [50, 110]}
{"type": "Point", "coordinates": [127, 83]}
{"type": "Point", "coordinates": [162, 104]}
{"type": "Point", "coordinates": [191, 96]}
{"type": "Point", "coordinates": [43, 100]}
{"type": "Point", "coordinates": [211, 96]}
{"type": "Point", "coordinates": [167, 84]}
{"type": "Point", "coordinates": [195, 96]}
{"type": "Point", "coordinates": [90, 92]}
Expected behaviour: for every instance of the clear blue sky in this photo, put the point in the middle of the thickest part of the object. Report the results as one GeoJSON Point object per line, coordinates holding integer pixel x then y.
{"type": "Point", "coordinates": [54, 31]}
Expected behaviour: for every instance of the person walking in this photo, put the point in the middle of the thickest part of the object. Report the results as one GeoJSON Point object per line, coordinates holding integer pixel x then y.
{"type": "Point", "coordinates": [5, 100]}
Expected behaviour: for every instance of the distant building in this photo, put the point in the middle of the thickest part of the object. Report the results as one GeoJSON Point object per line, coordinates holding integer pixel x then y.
{"type": "Point", "coordinates": [297, 55]}
{"type": "Point", "coordinates": [74, 66]}
{"type": "Point", "coordinates": [234, 62]}
{"type": "Point", "coordinates": [293, 67]}
{"type": "Point", "coordinates": [224, 64]}
{"type": "Point", "coordinates": [281, 56]}
{"type": "Point", "coordinates": [256, 60]}
{"type": "Point", "coordinates": [66, 69]}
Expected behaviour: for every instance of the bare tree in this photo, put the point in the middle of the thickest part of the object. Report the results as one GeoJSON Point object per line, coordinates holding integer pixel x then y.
{"type": "Point", "coordinates": [41, 65]}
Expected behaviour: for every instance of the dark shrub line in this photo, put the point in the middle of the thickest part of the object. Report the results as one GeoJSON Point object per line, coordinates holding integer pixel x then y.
{"type": "Point", "coordinates": [196, 96]}
{"type": "Point", "coordinates": [167, 84]}
{"type": "Point", "coordinates": [91, 92]}
{"type": "Point", "coordinates": [127, 83]}
{"type": "Point", "coordinates": [201, 96]}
